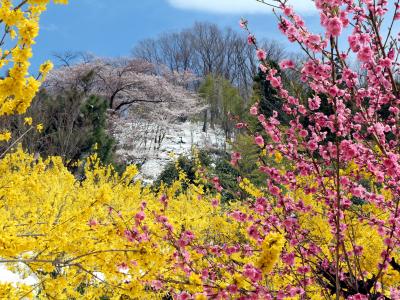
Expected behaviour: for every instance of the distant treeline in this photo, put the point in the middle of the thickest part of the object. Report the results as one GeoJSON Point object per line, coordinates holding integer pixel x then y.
{"type": "Point", "coordinates": [206, 49]}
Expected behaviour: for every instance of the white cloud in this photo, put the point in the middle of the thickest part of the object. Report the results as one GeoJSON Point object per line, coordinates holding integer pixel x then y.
{"type": "Point", "coordinates": [239, 6]}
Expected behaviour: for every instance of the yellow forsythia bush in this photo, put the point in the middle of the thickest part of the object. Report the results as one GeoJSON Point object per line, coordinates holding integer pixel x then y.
{"type": "Point", "coordinates": [104, 235]}
{"type": "Point", "coordinates": [20, 26]}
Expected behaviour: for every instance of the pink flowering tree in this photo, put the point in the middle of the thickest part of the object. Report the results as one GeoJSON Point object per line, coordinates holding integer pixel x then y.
{"type": "Point", "coordinates": [342, 165]}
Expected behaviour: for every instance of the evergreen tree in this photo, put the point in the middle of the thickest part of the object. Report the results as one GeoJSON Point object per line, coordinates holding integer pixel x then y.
{"type": "Point", "coordinates": [73, 127]}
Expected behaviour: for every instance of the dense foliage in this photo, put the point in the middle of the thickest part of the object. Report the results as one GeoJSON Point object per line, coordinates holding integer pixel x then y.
{"type": "Point", "coordinates": [224, 102]}
{"type": "Point", "coordinates": [73, 127]}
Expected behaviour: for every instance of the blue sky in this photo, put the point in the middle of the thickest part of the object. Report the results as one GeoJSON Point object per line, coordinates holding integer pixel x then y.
{"type": "Point", "coordinates": [112, 27]}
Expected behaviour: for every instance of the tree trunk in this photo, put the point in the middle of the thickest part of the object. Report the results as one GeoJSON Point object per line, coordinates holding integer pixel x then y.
{"type": "Point", "coordinates": [205, 121]}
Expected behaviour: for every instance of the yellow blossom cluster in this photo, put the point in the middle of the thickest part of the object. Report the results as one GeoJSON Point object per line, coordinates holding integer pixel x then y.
{"type": "Point", "coordinates": [79, 238]}
{"type": "Point", "coordinates": [270, 251]}
{"type": "Point", "coordinates": [20, 26]}
{"type": "Point", "coordinates": [104, 234]}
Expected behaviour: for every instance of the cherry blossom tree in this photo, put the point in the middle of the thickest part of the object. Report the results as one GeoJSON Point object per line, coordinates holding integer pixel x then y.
{"type": "Point", "coordinates": [143, 104]}
{"type": "Point", "coordinates": [126, 83]}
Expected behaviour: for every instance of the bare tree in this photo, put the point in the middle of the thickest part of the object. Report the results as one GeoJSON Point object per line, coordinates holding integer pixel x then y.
{"type": "Point", "coordinates": [69, 58]}
{"type": "Point", "coordinates": [206, 49]}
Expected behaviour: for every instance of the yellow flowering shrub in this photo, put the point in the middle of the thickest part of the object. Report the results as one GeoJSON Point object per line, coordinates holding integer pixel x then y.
{"type": "Point", "coordinates": [104, 235]}
{"type": "Point", "coordinates": [20, 26]}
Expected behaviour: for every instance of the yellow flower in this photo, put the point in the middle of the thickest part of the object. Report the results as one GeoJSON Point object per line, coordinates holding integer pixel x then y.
{"type": "Point", "coordinates": [39, 127]}
{"type": "Point", "coordinates": [278, 157]}
{"type": "Point", "coordinates": [5, 136]}
{"type": "Point", "coordinates": [195, 279]}
{"type": "Point", "coordinates": [201, 297]}
{"type": "Point", "coordinates": [270, 251]}
{"type": "Point", "coordinates": [28, 121]}
{"type": "Point", "coordinates": [28, 31]}
{"type": "Point", "coordinates": [13, 34]}
{"type": "Point", "coordinates": [240, 281]}
{"type": "Point", "coordinates": [46, 67]}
